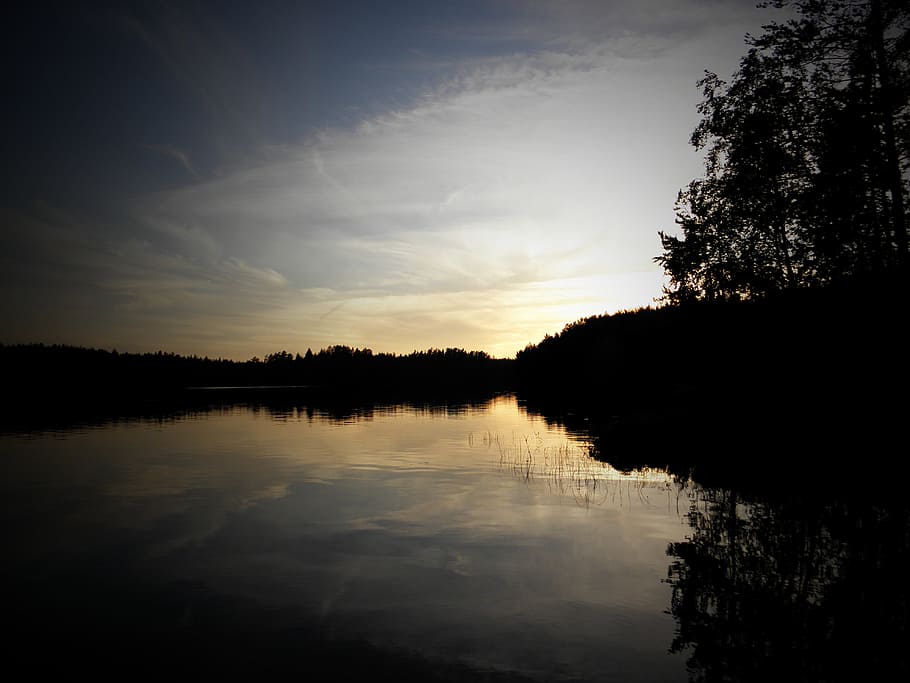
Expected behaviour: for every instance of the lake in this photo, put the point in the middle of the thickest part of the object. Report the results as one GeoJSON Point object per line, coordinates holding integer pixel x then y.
{"type": "Point", "coordinates": [456, 542]}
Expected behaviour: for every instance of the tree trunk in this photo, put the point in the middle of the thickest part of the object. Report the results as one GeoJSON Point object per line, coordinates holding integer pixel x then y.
{"type": "Point", "coordinates": [886, 110]}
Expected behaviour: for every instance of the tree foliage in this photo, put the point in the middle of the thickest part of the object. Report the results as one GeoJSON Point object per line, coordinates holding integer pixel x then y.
{"type": "Point", "coordinates": [806, 157]}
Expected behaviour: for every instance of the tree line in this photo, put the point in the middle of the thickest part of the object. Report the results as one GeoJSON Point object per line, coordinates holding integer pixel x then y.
{"type": "Point", "coordinates": [785, 304]}
{"type": "Point", "coordinates": [37, 370]}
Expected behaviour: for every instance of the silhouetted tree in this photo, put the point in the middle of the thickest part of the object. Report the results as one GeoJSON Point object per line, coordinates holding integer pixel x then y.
{"type": "Point", "coordinates": [806, 153]}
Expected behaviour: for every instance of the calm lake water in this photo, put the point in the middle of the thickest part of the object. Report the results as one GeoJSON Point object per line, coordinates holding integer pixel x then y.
{"type": "Point", "coordinates": [476, 539]}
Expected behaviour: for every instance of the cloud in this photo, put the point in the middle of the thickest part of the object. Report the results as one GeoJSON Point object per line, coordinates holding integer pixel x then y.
{"type": "Point", "coordinates": [519, 194]}
{"type": "Point", "coordinates": [632, 28]}
{"type": "Point", "coordinates": [520, 174]}
{"type": "Point", "coordinates": [199, 52]}
{"type": "Point", "coordinates": [178, 155]}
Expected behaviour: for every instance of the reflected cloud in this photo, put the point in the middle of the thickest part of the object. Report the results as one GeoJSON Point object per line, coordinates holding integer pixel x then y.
{"type": "Point", "coordinates": [386, 525]}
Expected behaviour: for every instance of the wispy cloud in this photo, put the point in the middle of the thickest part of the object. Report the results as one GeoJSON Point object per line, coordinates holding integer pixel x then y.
{"type": "Point", "coordinates": [518, 194]}
{"type": "Point", "coordinates": [211, 64]}
{"type": "Point", "coordinates": [180, 156]}
{"type": "Point", "coordinates": [632, 28]}
{"type": "Point", "coordinates": [497, 185]}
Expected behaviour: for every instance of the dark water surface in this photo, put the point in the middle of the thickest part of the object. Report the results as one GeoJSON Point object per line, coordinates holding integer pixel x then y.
{"type": "Point", "coordinates": [447, 543]}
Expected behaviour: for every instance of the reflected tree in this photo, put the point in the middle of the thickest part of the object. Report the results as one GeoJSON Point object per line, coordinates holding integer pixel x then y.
{"type": "Point", "coordinates": [794, 590]}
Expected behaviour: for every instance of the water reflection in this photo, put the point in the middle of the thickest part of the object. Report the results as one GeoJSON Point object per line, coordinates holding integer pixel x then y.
{"type": "Point", "coordinates": [454, 541]}
{"type": "Point", "coordinates": [280, 405]}
{"type": "Point", "coordinates": [391, 527]}
{"type": "Point", "coordinates": [569, 469]}
{"type": "Point", "coordinates": [796, 589]}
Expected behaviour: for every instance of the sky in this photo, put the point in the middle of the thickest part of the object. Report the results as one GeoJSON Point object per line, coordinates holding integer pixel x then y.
{"type": "Point", "coordinates": [236, 178]}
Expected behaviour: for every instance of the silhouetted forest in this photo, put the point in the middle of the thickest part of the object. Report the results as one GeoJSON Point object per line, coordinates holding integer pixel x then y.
{"type": "Point", "coordinates": [42, 378]}
{"type": "Point", "coordinates": [784, 328]}
{"type": "Point", "coordinates": [798, 372]}
{"type": "Point", "coordinates": [802, 373]}
{"type": "Point", "coordinates": [57, 367]}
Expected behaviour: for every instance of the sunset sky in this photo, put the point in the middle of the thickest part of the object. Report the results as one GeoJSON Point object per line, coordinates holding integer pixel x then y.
{"type": "Point", "coordinates": [235, 178]}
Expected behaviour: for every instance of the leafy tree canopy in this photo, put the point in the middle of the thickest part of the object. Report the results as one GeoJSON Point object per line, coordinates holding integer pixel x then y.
{"type": "Point", "coordinates": [806, 157]}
